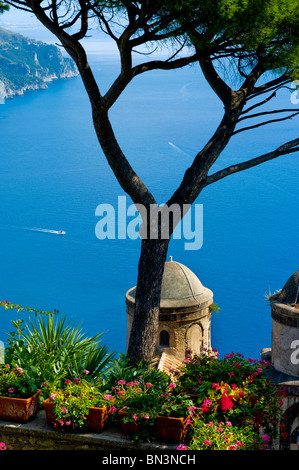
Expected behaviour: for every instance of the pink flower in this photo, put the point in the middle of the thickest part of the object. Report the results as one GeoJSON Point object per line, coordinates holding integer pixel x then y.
{"type": "Point", "coordinates": [11, 390]}
{"type": "Point", "coordinates": [86, 372]}
{"type": "Point", "coordinates": [121, 382]}
{"type": "Point", "coordinates": [19, 369]}
{"type": "Point", "coordinates": [228, 423]}
{"type": "Point", "coordinates": [53, 396]}
{"type": "Point", "coordinates": [266, 438]}
{"type": "Point", "coordinates": [2, 446]}
{"type": "Point", "coordinates": [229, 356]}
{"type": "Point", "coordinates": [172, 385]}
{"type": "Point", "coordinates": [205, 406]}
{"type": "Point", "coordinates": [182, 447]}
{"type": "Point", "coordinates": [207, 443]}
{"type": "Point", "coordinates": [113, 409]}
{"type": "Point", "coordinates": [251, 360]}
{"type": "Point", "coordinates": [264, 363]}
{"type": "Point", "coordinates": [260, 371]}
{"type": "Point", "coordinates": [135, 417]}
{"type": "Point", "coordinates": [233, 447]}
{"type": "Point", "coordinates": [76, 381]}
{"type": "Point", "coordinates": [68, 423]}
{"type": "Point", "coordinates": [67, 381]}
{"type": "Point", "coordinates": [146, 416]}
{"type": "Point", "coordinates": [148, 384]}
{"type": "Point", "coordinates": [231, 373]}
{"type": "Point", "coordinates": [107, 397]}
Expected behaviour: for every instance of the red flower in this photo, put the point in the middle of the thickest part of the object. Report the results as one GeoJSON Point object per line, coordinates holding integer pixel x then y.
{"type": "Point", "coordinates": [253, 399]}
{"type": "Point", "coordinates": [226, 403]}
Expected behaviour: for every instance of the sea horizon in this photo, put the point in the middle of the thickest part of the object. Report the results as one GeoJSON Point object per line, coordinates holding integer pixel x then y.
{"type": "Point", "coordinates": [54, 175]}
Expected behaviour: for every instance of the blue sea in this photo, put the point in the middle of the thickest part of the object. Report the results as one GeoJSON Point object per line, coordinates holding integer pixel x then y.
{"type": "Point", "coordinates": [54, 175]}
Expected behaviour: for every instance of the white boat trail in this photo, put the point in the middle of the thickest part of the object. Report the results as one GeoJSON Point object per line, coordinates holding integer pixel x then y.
{"type": "Point", "coordinates": [178, 149]}
{"type": "Point", "coordinates": [33, 229]}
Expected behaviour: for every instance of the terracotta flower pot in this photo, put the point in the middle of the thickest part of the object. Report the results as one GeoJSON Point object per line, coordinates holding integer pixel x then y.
{"type": "Point", "coordinates": [96, 420]}
{"type": "Point", "coordinates": [168, 429]}
{"type": "Point", "coordinates": [128, 428]}
{"type": "Point", "coordinates": [19, 410]}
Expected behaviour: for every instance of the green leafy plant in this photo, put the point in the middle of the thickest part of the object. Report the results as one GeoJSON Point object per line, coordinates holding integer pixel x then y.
{"type": "Point", "coordinates": [16, 382]}
{"type": "Point", "coordinates": [224, 436]}
{"type": "Point", "coordinates": [137, 402]}
{"type": "Point", "coordinates": [121, 370]}
{"type": "Point", "coordinates": [56, 349]}
{"type": "Point", "coordinates": [73, 400]}
{"type": "Point", "coordinates": [175, 405]}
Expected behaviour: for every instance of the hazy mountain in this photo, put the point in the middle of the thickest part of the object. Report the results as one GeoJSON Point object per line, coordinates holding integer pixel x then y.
{"type": "Point", "coordinates": [26, 64]}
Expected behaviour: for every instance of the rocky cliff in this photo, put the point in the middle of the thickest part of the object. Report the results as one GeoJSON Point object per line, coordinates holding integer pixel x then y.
{"type": "Point", "coordinates": [26, 64]}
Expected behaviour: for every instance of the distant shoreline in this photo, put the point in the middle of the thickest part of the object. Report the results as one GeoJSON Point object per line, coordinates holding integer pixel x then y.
{"type": "Point", "coordinates": [27, 64]}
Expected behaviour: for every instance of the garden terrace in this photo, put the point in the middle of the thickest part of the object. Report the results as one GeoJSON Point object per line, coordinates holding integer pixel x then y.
{"type": "Point", "coordinates": [36, 434]}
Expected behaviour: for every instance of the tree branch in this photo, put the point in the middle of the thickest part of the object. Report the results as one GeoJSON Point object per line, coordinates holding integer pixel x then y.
{"type": "Point", "coordinates": [276, 111]}
{"type": "Point", "coordinates": [273, 95]}
{"type": "Point", "coordinates": [222, 90]}
{"type": "Point", "coordinates": [287, 148]}
{"type": "Point", "coordinates": [264, 123]}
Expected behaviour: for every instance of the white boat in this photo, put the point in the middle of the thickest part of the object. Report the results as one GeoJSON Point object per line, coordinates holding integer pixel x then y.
{"type": "Point", "coordinates": [62, 232]}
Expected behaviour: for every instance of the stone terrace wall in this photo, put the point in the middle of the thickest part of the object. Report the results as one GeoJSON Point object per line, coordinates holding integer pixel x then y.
{"type": "Point", "coordinates": [38, 435]}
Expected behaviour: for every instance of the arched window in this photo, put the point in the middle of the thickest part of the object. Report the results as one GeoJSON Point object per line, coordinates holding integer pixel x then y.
{"type": "Point", "coordinates": [164, 338]}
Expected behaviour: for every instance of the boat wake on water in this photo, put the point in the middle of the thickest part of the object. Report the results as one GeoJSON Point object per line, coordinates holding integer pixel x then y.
{"type": "Point", "coordinates": [33, 229]}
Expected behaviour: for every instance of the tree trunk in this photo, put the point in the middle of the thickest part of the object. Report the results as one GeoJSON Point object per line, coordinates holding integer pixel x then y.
{"type": "Point", "coordinates": [147, 300]}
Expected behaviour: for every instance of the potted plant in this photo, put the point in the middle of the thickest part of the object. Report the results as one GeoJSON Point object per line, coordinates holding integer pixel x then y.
{"type": "Point", "coordinates": [175, 413]}
{"type": "Point", "coordinates": [137, 405]}
{"type": "Point", "coordinates": [232, 389]}
{"type": "Point", "coordinates": [224, 436]}
{"type": "Point", "coordinates": [19, 395]}
{"type": "Point", "coordinates": [79, 405]}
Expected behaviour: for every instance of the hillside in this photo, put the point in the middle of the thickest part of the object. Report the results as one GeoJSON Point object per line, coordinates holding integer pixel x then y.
{"type": "Point", "coordinates": [26, 64]}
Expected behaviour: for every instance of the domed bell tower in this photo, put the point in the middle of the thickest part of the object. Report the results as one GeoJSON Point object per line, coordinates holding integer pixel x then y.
{"type": "Point", "coordinates": [185, 314]}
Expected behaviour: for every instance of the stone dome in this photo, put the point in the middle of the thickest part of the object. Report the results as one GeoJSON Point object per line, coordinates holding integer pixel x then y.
{"type": "Point", "coordinates": [181, 288]}
{"type": "Point", "coordinates": [290, 291]}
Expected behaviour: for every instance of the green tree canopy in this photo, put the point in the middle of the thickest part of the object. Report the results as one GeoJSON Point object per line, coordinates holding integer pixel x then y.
{"type": "Point", "coordinates": [3, 7]}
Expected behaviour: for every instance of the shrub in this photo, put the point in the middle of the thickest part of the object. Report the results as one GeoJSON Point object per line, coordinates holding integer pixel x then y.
{"type": "Point", "coordinates": [16, 382]}
{"type": "Point", "coordinates": [225, 436]}
{"type": "Point", "coordinates": [54, 349]}
{"type": "Point", "coordinates": [231, 389]}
